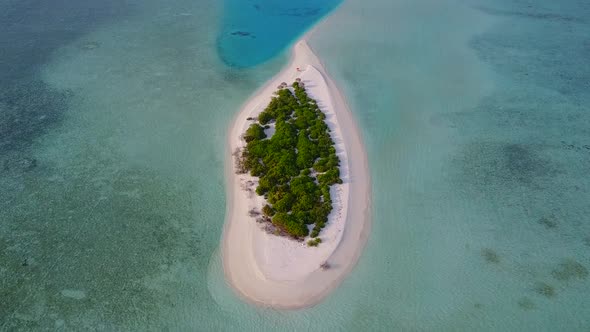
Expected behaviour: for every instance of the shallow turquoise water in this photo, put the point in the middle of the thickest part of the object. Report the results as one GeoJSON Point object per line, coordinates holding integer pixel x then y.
{"type": "Point", "coordinates": [475, 119]}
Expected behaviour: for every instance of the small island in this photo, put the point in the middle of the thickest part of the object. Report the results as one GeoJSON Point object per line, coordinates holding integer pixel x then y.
{"type": "Point", "coordinates": [295, 166]}
{"type": "Point", "coordinates": [298, 189]}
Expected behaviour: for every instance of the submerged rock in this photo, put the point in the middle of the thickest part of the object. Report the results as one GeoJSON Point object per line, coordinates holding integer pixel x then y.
{"type": "Point", "coordinates": [548, 222]}
{"type": "Point", "coordinates": [545, 289]}
{"type": "Point", "coordinates": [490, 256]}
{"type": "Point", "coordinates": [526, 303]}
{"type": "Point", "coordinates": [242, 34]}
{"type": "Point", "coordinates": [89, 46]}
{"type": "Point", "coordinates": [73, 294]}
{"type": "Point", "coordinates": [570, 269]}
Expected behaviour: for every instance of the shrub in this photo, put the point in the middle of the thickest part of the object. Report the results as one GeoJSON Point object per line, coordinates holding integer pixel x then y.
{"type": "Point", "coordinates": [254, 132]}
{"type": "Point", "coordinates": [282, 162]}
{"type": "Point", "coordinates": [264, 117]}
{"type": "Point", "coordinates": [290, 224]}
{"type": "Point", "coordinates": [268, 211]}
{"type": "Point", "coordinates": [315, 242]}
{"type": "Point", "coordinates": [314, 233]}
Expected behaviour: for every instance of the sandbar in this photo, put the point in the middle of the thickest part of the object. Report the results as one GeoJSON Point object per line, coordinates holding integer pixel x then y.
{"type": "Point", "coordinates": [275, 271]}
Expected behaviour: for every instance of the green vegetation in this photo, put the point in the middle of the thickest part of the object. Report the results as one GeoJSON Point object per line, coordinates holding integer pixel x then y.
{"type": "Point", "coordinates": [314, 242]}
{"type": "Point", "coordinates": [296, 166]}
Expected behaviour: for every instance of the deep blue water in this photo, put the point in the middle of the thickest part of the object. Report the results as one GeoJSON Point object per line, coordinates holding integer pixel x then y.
{"type": "Point", "coordinates": [254, 31]}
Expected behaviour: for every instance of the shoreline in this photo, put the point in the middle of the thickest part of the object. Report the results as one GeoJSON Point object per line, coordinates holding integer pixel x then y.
{"type": "Point", "coordinates": [243, 242]}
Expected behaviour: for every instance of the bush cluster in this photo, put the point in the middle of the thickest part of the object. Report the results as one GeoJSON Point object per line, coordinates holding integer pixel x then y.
{"type": "Point", "coordinates": [297, 165]}
{"type": "Point", "coordinates": [315, 242]}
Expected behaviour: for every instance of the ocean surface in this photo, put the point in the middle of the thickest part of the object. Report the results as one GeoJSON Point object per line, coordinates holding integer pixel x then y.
{"type": "Point", "coordinates": [254, 31]}
{"type": "Point", "coordinates": [113, 119]}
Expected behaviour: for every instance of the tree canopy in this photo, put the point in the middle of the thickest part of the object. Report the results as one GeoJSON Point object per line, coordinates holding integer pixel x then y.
{"type": "Point", "coordinates": [296, 165]}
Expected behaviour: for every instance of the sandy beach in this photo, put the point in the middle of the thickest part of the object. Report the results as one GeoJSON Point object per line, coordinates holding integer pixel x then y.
{"type": "Point", "coordinates": [275, 271]}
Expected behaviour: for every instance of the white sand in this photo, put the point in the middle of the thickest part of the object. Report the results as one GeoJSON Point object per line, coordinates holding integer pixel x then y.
{"type": "Point", "coordinates": [276, 271]}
